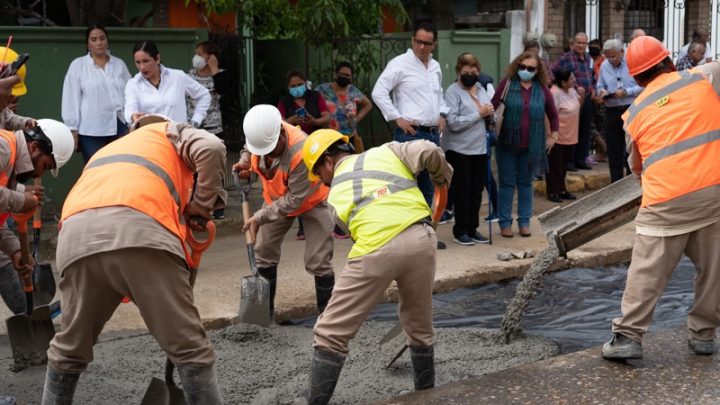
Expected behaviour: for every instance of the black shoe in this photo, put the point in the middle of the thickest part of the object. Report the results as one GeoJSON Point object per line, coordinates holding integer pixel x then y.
{"type": "Point", "coordinates": [554, 198]}
{"type": "Point", "coordinates": [423, 362]}
{"type": "Point", "coordinates": [567, 196]}
{"type": "Point", "coordinates": [441, 245]}
{"type": "Point", "coordinates": [583, 166]}
{"type": "Point", "coordinates": [324, 374]}
{"type": "Point", "coordinates": [270, 274]}
{"type": "Point", "coordinates": [323, 291]}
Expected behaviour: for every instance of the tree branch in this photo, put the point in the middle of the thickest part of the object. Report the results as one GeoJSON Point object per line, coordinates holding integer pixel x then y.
{"type": "Point", "coordinates": [18, 11]}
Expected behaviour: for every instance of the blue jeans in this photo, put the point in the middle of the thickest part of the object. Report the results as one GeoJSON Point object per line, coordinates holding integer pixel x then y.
{"type": "Point", "coordinates": [89, 145]}
{"type": "Point", "coordinates": [423, 179]}
{"type": "Point", "coordinates": [514, 172]}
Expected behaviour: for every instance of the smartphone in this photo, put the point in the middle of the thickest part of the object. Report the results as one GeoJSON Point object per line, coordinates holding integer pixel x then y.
{"type": "Point", "coordinates": [16, 65]}
{"type": "Point", "coordinates": [301, 112]}
{"type": "Point", "coordinates": [607, 96]}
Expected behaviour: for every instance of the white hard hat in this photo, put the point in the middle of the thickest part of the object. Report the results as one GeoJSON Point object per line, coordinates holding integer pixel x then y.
{"type": "Point", "coordinates": [262, 129]}
{"type": "Point", "coordinates": [63, 143]}
{"type": "Point", "coordinates": [149, 119]}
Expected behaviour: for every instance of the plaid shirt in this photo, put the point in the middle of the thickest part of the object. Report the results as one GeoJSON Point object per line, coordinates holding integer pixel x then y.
{"type": "Point", "coordinates": [684, 63]}
{"type": "Point", "coordinates": [582, 69]}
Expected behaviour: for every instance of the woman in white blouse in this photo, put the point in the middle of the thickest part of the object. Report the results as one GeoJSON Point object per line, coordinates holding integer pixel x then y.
{"type": "Point", "coordinates": [93, 95]}
{"type": "Point", "coordinates": [160, 90]}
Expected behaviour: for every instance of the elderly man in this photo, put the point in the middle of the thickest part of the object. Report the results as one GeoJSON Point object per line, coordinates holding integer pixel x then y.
{"type": "Point", "coordinates": [700, 36]}
{"type": "Point", "coordinates": [616, 90]}
{"type": "Point", "coordinates": [417, 105]}
{"type": "Point", "coordinates": [694, 57]}
{"type": "Point", "coordinates": [581, 64]}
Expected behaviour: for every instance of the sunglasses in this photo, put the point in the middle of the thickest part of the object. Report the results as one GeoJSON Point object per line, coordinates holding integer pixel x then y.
{"type": "Point", "coordinates": [426, 43]}
{"type": "Point", "coordinates": [526, 67]}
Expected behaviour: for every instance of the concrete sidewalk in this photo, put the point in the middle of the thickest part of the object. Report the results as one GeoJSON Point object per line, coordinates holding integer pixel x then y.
{"type": "Point", "coordinates": [217, 290]}
{"type": "Point", "coordinates": [669, 373]}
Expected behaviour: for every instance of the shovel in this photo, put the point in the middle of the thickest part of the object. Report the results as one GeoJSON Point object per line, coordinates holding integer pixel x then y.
{"type": "Point", "coordinates": [30, 333]}
{"type": "Point", "coordinates": [43, 279]}
{"type": "Point", "coordinates": [166, 392]}
{"type": "Point", "coordinates": [254, 290]}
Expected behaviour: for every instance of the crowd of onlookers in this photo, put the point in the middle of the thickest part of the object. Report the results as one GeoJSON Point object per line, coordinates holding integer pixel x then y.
{"type": "Point", "coordinates": [542, 119]}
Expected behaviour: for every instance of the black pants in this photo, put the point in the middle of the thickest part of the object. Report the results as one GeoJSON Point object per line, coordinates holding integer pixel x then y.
{"type": "Point", "coordinates": [582, 149]}
{"type": "Point", "coordinates": [558, 158]}
{"type": "Point", "coordinates": [466, 189]}
{"type": "Point", "coordinates": [615, 138]}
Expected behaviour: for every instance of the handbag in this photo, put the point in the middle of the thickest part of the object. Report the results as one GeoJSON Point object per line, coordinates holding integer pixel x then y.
{"type": "Point", "coordinates": [500, 111]}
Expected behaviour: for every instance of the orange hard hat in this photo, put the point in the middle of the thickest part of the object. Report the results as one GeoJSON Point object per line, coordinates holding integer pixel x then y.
{"type": "Point", "coordinates": [643, 53]}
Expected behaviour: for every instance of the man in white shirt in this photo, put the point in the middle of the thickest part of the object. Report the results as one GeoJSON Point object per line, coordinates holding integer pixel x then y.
{"type": "Point", "coordinates": [700, 36]}
{"type": "Point", "coordinates": [417, 105]}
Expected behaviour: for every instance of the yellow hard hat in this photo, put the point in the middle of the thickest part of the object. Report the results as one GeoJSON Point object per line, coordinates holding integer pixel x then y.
{"type": "Point", "coordinates": [315, 146]}
{"type": "Point", "coordinates": [10, 56]}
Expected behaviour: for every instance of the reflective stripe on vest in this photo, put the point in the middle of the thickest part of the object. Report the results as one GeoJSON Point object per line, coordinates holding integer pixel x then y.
{"type": "Point", "coordinates": [277, 186]}
{"type": "Point", "coordinates": [676, 129]}
{"type": "Point", "coordinates": [10, 138]}
{"type": "Point", "coordinates": [376, 204]}
{"type": "Point", "coordinates": [142, 171]}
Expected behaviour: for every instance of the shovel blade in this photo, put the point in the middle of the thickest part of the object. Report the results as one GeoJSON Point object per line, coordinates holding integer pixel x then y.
{"type": "Point", "coordinates": [255, 301]}
{"type": "Point", "coordinates": [30, 337]}
{"type": "Point", "coordinates": [157, 393]}
{"type": "Point", "coordinates": [43, 284]}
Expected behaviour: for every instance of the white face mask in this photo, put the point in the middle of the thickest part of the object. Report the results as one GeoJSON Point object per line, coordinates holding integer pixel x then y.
{"type": "Point", "coordinates": [198, 62]}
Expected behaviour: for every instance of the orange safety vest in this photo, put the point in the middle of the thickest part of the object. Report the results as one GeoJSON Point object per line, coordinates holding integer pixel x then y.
{"type": "Point", "coordinates": [10, 138]}
{"type": "Point", "coordinates": [142, 171]}
{"type": "Point", "coordinates": [676, 127]}
{"type": "Point", "coordinates": [277, 186]}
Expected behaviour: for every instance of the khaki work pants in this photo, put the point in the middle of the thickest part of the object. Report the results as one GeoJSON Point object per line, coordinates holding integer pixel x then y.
{"type": "Point", "coordinates": [653, 261]}
{"type": "Point", "coordinates": [409, 259]}
{"type": "Point", "coordinates": [318, 225]}
{"type": "Point", "coordinates": [157, 282]}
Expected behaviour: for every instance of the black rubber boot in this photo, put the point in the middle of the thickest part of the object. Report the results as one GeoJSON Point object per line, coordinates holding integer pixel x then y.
{"type": "Point", "coordinates": [324, 374]}
{"type": "Point", "coordinates": [59, 387]}
{"type": "Point", "coordinates": [200, 385]}
{"type": "Point", "coordinates": [423, 362]}
{"type": "Point", "coordinates": [323, 290]}
{"type": "Point", "coordinates": [270, 274]}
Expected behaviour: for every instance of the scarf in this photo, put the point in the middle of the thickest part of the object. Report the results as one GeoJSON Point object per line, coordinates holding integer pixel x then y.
{"type": "Point", "coordinates": [511, 124]}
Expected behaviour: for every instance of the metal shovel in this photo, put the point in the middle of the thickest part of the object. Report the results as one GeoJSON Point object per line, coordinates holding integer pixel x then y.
{"type": "Point", "coordinates": [30, 333]}
{"type": "Point", "coordinates": [166, 392]}
{"type": "Point", "coordinates": [43, 279]}
{"type": "Point", "coordinates": [254, 289]}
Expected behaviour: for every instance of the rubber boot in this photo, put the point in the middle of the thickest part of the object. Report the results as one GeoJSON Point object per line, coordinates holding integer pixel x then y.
{"type": "Point", "coordinates": [323, 290]}
{"type": "Point", "coordinates": [324, 374]}
{"type": "Point", "coordinates": [423, 362]}
{"type": "Point", "coordinates": [200, 385]}
{"type": "Point", "coordinates": [59, 387]}
{"type": "Point", "coordinates": [270, 274]}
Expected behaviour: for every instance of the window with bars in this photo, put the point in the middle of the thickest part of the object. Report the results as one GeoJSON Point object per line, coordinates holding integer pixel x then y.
{"type": "Point", "coordinates": [646, 14]}
{"type": "Point", "coordinates": [493, 6]}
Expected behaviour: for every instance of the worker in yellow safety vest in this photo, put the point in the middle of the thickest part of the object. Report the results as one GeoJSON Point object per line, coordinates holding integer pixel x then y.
{"type": "Point", "coordinates": [122, 234]}
{"type": "Point", "coordinates": [673, 130]}
{"type": "Point", "coordinates": [374, 196]}
{"type": "Point", "coordinates": [273, 150]}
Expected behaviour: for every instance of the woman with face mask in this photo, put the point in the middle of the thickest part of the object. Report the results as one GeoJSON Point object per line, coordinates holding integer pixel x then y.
{"type": "Point", "coordinates": [157, 89]}
{"type": "Point", "coordinates": [206, 71]}
{"type": "Point", "coordinates": [303, 106]}
{"type": "Point", "coordinates": [466, 148]}
{"type": "Point", "coordinates": [93, 95]}
{"type": "Point", "coordinates": [347, 104]}
{"type": "Point", "coordinates": [523, 141]}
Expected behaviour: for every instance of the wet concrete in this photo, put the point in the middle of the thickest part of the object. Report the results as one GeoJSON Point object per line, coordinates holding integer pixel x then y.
{"type": "Point", "coordinates": [669, 373]}
{"type": "Point", "coordinates": [271, 366]}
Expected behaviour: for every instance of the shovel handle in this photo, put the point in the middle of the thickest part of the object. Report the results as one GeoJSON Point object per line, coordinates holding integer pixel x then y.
{"type": "Point", "coordinates": [439, 203]}
{"type": "Point", "coordinates": [37, 215]}
{"type": "Point", "coordinates": [249, 237]}
{"type": "Point", "coordinates": [199, 247]}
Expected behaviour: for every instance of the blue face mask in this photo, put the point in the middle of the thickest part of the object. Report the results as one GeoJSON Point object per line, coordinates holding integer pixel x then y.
{"type": "Point", "coordinates": [525, 75]}
{"type": "Point", "coordinates": [298, 91]}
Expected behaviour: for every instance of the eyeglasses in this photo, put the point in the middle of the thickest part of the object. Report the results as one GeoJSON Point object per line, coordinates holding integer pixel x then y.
{"type": "Point", "coordinates": [426, 43]}
{"type": "Point", "coordinates": [526, 67]}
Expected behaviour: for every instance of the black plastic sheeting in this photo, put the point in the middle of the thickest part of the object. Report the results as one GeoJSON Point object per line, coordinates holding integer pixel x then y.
{"type": "Point", "coordinates": [573, 307]}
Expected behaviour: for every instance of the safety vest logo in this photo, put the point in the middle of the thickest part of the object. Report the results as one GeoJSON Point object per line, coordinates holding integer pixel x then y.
{"type": "Point", "coordinates": [381, 192]}
{"type": "Point", "coordinates": [662, 101]}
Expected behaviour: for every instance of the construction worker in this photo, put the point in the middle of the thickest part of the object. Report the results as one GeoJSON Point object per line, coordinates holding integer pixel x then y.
{"type": "Point", "coordinates": [276, 149]}
{"type": "Point", "coordinates": [375, 197]}
{"type": "Point", "coordinates": [673, 131]}
{"type": "Point", "coordinates": [122, 234]}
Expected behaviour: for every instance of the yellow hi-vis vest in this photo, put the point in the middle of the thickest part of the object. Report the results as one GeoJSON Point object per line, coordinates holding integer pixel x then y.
{"type": "Point", "coordinates": [377, 197]}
